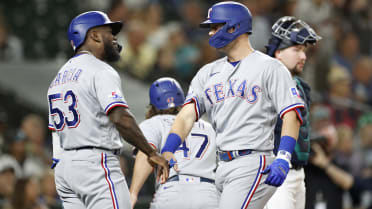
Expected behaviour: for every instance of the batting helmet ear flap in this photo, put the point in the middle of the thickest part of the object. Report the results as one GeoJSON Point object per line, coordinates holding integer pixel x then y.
{"type": "Point", "coordinates": [232, 13]}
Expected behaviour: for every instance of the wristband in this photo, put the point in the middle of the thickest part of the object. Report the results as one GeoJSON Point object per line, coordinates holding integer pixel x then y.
{"type": "Point", "coordinates": [286, 147]}
{"type": "Point", "coordinates": [284, 155]}
{"type": "Point", "coordinates": [172, 143]}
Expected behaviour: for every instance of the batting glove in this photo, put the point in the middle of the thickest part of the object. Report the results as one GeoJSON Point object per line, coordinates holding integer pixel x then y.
{"type": "Point", "coordinates": [278, 171]}
{"type": "Point", "coordinates": [172, 163]}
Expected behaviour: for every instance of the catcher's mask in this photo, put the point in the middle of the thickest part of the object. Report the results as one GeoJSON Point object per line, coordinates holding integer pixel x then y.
{"type": "Point", "coordinates": [289, 31]}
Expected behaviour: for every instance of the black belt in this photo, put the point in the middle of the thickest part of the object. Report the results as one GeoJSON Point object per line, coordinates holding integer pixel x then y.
{"type": "Point", "coordinates": [202, 179]}
{"type": "Point", "coordinates": [114, 151]}
{"type": "Point", "coordinates": [231, 155]}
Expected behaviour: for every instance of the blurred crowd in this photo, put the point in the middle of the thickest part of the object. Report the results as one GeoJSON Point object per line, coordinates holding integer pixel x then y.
{"type": "Point", "coordinates": [25, 180]}
{"type": "Point", "coordinates": [26, 177]}
{"type": "Point", "coordinates": [162, 38]}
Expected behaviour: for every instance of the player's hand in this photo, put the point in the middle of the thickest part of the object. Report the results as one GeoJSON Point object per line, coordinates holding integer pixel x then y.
{"type": "Point", "coordinates": [133, 199]}
{"type": "Point", "coordinates": [161, 164]}
{"type": "Point", "coordinates": [171, 159]}
{"type": "Point", "coordinates": [277, 171]}
{"type": "Point", "coordinates": [319, 158]}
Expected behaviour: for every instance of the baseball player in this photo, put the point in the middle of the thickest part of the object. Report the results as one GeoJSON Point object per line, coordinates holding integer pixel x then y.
{"type": "Point", "coordinates": [88, 111]}
{"type": "Point", "coordinates": [288, 43]}
{"type": "Point", "coordinates": [242, 95]}
{"type": "Point", "coordinates": [193, 184]}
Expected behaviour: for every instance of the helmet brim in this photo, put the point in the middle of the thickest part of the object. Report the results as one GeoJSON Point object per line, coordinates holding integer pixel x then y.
{"type": "Point", "coordinates": [207, 23]}
{"type": "Point", "coordinates": [116, 27]}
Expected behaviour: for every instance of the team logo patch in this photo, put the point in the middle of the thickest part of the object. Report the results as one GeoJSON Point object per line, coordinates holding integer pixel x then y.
{"type": "Point", "coordinates": [294, 92]}
{"type": "Point", "coordinates": [170, 101]}
{"type": "Point", "coordinates": [116, 95]}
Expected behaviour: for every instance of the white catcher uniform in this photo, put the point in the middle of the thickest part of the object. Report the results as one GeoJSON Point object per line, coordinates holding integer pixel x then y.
{"type": "Point", "coordinates": [193, 186]}
{"type": "Point", "coordinates": [80, 97]}
{"type": "Point", "coordinates": [242, 103]}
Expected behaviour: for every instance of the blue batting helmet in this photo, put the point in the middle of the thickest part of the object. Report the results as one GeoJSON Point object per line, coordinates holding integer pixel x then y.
{"type": "Point", "coordinates": [234, 15]}
{"type": "Point", "coordinates": [289, 31]}
{"type": "Point", "coordinates": [166, 93]}
{"type": "Point", "coordinates": [80, 25]}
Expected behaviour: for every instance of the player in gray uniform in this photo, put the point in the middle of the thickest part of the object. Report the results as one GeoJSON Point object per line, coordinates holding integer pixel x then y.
{"type": "Point", "coordinates": [88, 111]}
{"type": "Point", "coordinates": [192, 185]}
{"type": "Point", "coordinates": [288, 43]}
{"type": "Point", "coordinates": [242, 95]}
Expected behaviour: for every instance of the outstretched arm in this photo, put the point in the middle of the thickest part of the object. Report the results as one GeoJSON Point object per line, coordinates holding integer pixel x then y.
{"type": "Point", "coordinates": [128, 128]}
{"type": "Point", "coordinates": [181, 128]}
{"type": "Point", "coordinates": [142, 170]}
{"type": "Point", "coordinates": [184, 121]}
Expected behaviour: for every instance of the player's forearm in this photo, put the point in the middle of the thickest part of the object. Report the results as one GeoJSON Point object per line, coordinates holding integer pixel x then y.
{"type": "Point", "coordinates": [184, 121]}
{"type": "Point", "coordinates": [128, 128]}
{"type": "Point", "coordinates": [290, 129]}
{"type": "Point", "coordinates": [291, 125]}
{"type": "Point", "coordinates": [339, 177]}
{"type": "Point", "coordinates": [142, 170]}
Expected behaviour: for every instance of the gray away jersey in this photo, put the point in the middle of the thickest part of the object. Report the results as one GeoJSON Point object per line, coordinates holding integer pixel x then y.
{"type": "Point", "coordinates": [80, 97]}
{"type": "Point", "coordinates": [196, 156]}
{"type": "Point", "coordinates": [242, 102]}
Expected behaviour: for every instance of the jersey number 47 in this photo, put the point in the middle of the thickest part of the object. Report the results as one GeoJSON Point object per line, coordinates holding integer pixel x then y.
{"type": "Point", "coordinates": [185, 147]}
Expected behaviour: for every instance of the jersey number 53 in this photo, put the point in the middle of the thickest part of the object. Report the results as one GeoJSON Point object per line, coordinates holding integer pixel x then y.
{"type": "Point", "coordinates": [73, 117]}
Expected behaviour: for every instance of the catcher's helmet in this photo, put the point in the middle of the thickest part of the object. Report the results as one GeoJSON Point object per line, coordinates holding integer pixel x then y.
{"type": "Point", "coordinates": [234, 15]}
{"type": "Point", "coordinates": [166, 93]}
{"type": "Point", "coordinates": [289, 31]}
{"type": "Point", "coordinates": [80, 25]}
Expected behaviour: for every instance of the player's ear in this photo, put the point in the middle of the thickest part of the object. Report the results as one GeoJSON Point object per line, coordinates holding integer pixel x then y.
{"type": "Point", "coordinates": [95, 35]}
{"type": "Point", "coordinates": [278, 54]}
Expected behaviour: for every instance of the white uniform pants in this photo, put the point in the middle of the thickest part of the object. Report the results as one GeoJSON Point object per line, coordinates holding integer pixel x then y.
{"type": "Point", "coordinates": [242, 183]}
{"type": "Point", "coordinates": [186, 195]}
{"type": "Point", "coordinates": [291, 194]}
{"type": "Point", "coordinates": [92, 179]}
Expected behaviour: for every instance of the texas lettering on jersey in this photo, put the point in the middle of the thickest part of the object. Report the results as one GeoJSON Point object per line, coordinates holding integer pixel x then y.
{"type": "Point", "coordinates": [235, 89]}
{"type": "Point", "coordinates": [257, 89]}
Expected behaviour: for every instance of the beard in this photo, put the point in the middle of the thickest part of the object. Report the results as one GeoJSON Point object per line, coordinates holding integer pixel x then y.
{"type": "Point", "coordinates": [111, 53]}
{"type": "Point", "coordinates": [297, 70]}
